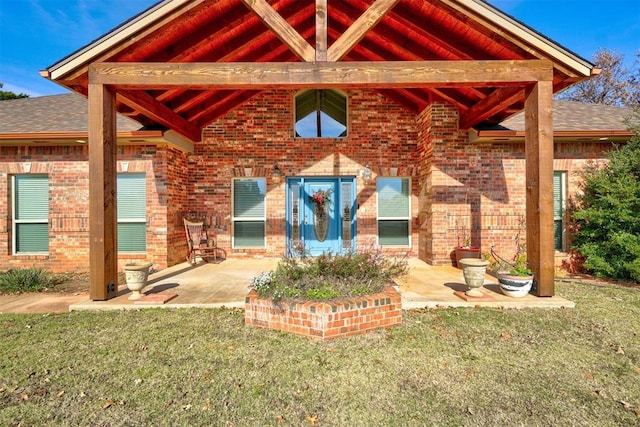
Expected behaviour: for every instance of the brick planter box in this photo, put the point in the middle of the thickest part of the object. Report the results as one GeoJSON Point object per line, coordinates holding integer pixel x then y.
{"type": "Point", "coordinates": [326, 320]}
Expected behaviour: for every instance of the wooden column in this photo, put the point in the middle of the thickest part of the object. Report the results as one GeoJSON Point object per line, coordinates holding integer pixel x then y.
{"type": "Point", "coordinates": [539, 164]}
{"type": "Point", "coordinates": [103, 254]}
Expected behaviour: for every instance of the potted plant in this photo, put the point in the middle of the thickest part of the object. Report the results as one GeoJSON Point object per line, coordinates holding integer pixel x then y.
{"type": "Point", "coordinates": [515, 277]}
{"type": "Point", "coordinates": [464, 249]}
{"type": "Point", "coordinates": [136, 275]}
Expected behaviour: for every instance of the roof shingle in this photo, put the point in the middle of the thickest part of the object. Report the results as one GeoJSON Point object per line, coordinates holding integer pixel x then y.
{"type": "Point", "coordinates": [55, 113]}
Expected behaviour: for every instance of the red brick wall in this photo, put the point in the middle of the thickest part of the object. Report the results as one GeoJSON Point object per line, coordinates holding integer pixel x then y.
{"type": "Point", "coordinates": [67, 169]}
{"type": "Point", "coordinates": [250, 141]}
{"type": "Point", "coordinates": [478, 189]}
{"type": "Point", "coordinates": [326, 320]}
{"type": "Point", "coordinates": [456, 185]}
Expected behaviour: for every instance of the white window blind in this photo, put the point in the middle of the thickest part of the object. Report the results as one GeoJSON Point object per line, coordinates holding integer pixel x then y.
{"type": "Point", "coordinates": [249, 212]}
{"type": "Point", "coordinates": [393, 211]}
{"type": "Point", "coordinates": [132, 212]}
{"type": "Point", "coordinates": [30, 214]}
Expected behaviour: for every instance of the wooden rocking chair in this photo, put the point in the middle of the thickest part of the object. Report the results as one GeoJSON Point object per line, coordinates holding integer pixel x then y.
{"type": "Point", "coordinates": [200, 244]}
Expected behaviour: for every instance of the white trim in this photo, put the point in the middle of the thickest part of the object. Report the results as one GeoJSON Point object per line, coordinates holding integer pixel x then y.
{"type": "Point", "coordinates": [262, 219]}
{"type": "Point", "coordinates": [14, 221]}
{"type": "Point", "coordinates": [403, 218]}
{"type": "Point", "coordinates": [526, 34]}
{"type": "Point", "coordinates": [107, 41]}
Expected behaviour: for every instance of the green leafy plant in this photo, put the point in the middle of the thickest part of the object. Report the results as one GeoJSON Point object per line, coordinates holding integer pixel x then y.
{"type": "Point", "coordinates": [31, 279]}
{"type": "Point", "coordinates": [329, 276]}
{"type": "Point", "coordinates": [517, 266]}
{"type": "Point", "coordinates": [607, 216]}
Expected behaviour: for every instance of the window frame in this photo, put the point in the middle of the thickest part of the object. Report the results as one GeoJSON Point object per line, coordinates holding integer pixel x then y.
{"type": "Point", "coordinates": [406, 218]}
{"type": "Point", "coordinates": [142, 220]}
{"type": "Point", "coordinates": [15, 222]}
{"type": "Point", "coordinates": [563, 207]}
{"type": "Point", "coordinates": [235, 219]}
{"type": "Point", "coordinates": [343, 135]}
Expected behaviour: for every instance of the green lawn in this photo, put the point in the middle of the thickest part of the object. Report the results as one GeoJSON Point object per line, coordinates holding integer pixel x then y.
{"type": "Point", "coordinates": [445, 367]}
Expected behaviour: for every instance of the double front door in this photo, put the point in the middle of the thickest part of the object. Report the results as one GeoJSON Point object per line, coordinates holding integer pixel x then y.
{"type": "Point", "coordinates": [320, 215]}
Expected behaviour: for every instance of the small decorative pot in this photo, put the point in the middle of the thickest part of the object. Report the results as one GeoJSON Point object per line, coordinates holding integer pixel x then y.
{"type": "Point", "coordinates": [136, 275]}
{"type": "Point", "coordinates": [474, 270]}
{"type": "Point", "coordinates": [515, 286]}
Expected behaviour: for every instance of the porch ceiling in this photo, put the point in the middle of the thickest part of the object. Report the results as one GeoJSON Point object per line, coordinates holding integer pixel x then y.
{"type": "Point", "coordinates": [317, 31]}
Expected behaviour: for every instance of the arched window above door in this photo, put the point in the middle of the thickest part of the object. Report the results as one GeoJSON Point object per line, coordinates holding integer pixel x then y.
{"type": "Point", "coordinates": [320, 113]}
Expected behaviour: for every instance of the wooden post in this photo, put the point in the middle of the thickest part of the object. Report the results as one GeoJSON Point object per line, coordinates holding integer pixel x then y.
{"type": "Point", "coordinates": [539, 191]}
{"type": "Point", "coordinates": [103, 253]}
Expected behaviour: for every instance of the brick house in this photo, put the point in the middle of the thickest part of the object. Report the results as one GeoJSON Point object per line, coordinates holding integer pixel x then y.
{"type": "Point", "coordinates": [249, 109]}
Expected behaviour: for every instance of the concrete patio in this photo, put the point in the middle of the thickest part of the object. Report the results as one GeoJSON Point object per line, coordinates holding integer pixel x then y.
{"type": "Point", "coordinates": [224, 284]}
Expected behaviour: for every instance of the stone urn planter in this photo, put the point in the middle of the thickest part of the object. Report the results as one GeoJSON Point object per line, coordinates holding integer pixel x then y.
{"type": "Point", "coordinates": [515, 286]}
{"type": "Point", "coordinates": [474, 270]}
{"type": "Point", "coordinates": [136, 275]}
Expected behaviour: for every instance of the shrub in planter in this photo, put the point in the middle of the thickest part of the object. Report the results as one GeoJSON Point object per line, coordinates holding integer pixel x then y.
{"type": "Point", "coordinates": [328, 296]}
{"type": "Point", "coordinates": [329, 276]}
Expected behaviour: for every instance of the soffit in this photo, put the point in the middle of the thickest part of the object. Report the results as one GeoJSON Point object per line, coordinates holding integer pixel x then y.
{"type": "Point", "coordinates": [181, 31]}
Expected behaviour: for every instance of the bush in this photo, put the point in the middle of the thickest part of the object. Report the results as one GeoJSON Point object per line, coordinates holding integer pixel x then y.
{"type": "Point", "coordinates": [607, 220]}
{"type": "Point", "coordinates": [329, 276]}
{"type": "Point", "coordinates": [31, 279]}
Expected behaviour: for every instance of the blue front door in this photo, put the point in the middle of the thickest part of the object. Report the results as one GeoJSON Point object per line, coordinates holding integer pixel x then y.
{"type": "Point", "coordinates": [320, 215]}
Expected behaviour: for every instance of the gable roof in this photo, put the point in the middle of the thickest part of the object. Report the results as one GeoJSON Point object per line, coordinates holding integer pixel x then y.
{"type": "Point", "coordinates": [293, 31]}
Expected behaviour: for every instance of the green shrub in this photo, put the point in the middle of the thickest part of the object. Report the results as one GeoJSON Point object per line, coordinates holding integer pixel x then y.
{"type": "Point", "coordinates": [329, 276]}
{"type": "Point", "coordinates": [607, 218]}
{"type": "Point", "coordinates": [31, 279]}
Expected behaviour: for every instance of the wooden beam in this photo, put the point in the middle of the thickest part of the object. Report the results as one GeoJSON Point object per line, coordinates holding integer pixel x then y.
{"type": "Point", "coordinates": [103, 246]}
{"type": "Point", "coordinates": [283, 30]}
{"type": "Point", "coordinates": [321, 30]}
{"type": "Point", "coordinates": [538, 109]}
{"type": "Point", "coordinates": [493, 104]}
{"type": "Point", "coordinates": [147, 105]}
{"type": "Point", "coordinates": [359, 29]}
{"type": "Point", "coordinates": [259, 75]}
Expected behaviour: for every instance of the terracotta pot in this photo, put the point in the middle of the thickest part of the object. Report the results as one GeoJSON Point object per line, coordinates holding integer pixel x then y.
{"type": "Point", "coordinates": [466, 252]}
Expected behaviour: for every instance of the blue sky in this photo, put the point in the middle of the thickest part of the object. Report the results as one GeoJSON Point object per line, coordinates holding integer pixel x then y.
{"type": "Point", "coordinates": [35, 34]}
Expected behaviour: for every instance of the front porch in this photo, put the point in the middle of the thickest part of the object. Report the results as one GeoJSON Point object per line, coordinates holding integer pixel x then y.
{"type": "Point", "coordinates": [225, 284]}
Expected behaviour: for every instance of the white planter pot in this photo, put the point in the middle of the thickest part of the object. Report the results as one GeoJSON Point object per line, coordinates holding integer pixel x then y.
{"type": "Point", "coordinates": [136, 275]}
{"type": "Point", "coordinates": [515, 286]}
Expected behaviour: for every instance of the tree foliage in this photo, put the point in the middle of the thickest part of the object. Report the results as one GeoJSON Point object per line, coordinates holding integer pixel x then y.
{"type": "Point", "coordinates": [5, 94]}
{"type": "Point", "coordinates": [615, 85]}
{"type": "Point", "coordinates": [608, 217]}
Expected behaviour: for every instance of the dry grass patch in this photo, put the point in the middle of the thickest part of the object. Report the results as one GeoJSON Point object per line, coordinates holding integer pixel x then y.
{"type": "Point", "coordinates": [578, 367]}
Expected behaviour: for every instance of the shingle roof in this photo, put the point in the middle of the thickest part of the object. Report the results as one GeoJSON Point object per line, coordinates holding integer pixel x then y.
{"type": "Point", "coordinates": [578, 116]}
{"type": "Point", "coordinates": [54, 113]}
{"type": "Point", "coordinates": [68, 113]}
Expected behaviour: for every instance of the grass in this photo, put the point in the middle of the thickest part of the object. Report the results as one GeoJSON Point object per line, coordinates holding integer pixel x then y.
{"type": "Point", "coordinates": [454, 367]}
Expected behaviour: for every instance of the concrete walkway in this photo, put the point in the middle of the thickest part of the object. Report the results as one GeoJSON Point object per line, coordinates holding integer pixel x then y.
{"type": "Point", "coordinates": [225, 284]}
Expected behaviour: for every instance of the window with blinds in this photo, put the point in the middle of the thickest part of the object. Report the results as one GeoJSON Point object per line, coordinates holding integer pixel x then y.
{"type": "Point", "coordinates": [132, 212]}
{"type": "Point", "coordinates": [30, 202]}
{"type": "Point", "coordinates": [559, 196]}
{"type": "Point", "coordinates": [249, 212]}
{"type": "Point", "coordinates": [393, 211]}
